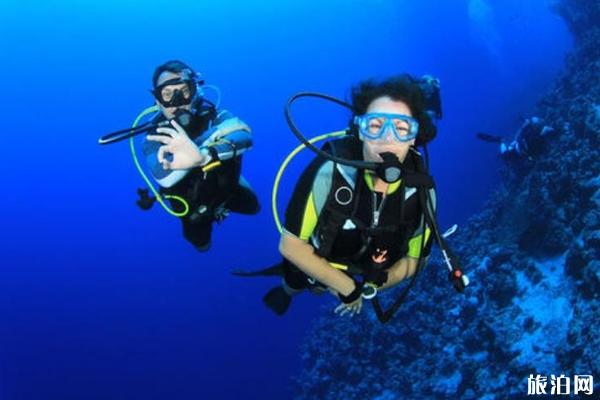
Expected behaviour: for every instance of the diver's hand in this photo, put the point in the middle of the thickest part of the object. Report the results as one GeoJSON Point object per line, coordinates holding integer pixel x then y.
{"type": "Point", "coordinates": [350, 308]}
{"type": "Point", "coordinates": [185, 152]}
{"type": "Point", "coordinates": [352, 302]}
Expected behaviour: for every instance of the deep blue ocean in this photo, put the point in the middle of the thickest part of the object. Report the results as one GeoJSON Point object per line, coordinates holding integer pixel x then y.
{"type": "Point", "coordinates": [100, 300]}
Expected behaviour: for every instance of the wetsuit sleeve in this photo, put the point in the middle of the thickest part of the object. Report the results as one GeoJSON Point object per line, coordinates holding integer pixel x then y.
{"type": "Point", "coordinates": [165, 178]}
{"type": "Point", "coordinates": [420, 238]}
{"type": "Point", "coordinates": [229, 137]}
{"type": "Point", "coordinates": [302, 213]}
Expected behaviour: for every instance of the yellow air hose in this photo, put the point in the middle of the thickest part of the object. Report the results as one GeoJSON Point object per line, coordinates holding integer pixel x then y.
{"type": "Point", "coordinates": [287, 160]}
{"type": "Point", "coordinates": [159, 197]}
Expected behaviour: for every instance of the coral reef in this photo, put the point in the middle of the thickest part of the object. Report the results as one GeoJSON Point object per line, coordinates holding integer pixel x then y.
{"type": "Point", "coordinates": [534, 260]}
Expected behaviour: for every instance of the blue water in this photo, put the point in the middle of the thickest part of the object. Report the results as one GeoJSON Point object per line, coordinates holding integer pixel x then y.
{"type": "Point", "coordinates": [99, 300]}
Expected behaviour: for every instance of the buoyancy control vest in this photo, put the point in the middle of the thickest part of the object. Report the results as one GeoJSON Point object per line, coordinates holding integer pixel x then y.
{"type": "Point", "coordinates": [206, 192]}
{"type": "Point", "coordinates": [363, 229]}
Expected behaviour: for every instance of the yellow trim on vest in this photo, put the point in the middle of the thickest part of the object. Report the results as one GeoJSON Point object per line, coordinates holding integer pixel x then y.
{"type": "Point", "coordinates": [342, 267]}
{"type": "Point", "coordinates": [211, 166]}
{"type": "Point", "coordinates": [391, 188]}
{"type": "Point", "coordinates": [309, 218]}
{"type": "Point", "coordinates": [414, 244]}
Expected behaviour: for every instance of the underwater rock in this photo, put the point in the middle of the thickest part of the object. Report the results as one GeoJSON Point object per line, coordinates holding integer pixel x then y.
{"type": "Point", "coordinates": [533, 274]}
{"type": "Point", "coordinates": [577, 259]}
{"type": "Point", "coordinates": [448, 385]}
{"type": "Point", "coordinates": [546, 236]}
{"type": "Point", "coordinates": [592, 219]}
{"type": "Point", "coordinates": [582, 16]}
{"type": "Point", "coordinates": [591, 280]}
{"type": "Point", "coordinates": [387, 395]}
{"type": "Point", "coordinates": [592, 240]}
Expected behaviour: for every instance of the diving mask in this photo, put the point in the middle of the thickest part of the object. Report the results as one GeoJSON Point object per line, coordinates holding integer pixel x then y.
{"type": "Point", "coordinates": [373, 126]}
{"type": "Point", "coordinates": [175, 92]}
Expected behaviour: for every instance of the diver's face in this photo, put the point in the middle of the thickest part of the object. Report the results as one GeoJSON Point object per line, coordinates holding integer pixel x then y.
{"type": "Point", "coordinates": [387, 143]}
{"type": "Point", "coordinates": [169, 112]}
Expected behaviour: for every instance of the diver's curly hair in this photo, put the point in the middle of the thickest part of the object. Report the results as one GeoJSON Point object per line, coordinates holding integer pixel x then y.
{"type": "Point", "coordinates": [400, 88]}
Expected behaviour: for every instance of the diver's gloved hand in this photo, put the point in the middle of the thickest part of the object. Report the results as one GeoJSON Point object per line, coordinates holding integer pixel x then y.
{"type": "Point", "coordinates": [185, 153]}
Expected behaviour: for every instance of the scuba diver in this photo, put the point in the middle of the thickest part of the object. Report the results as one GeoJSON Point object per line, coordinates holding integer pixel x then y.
{"type": "Point", "coordinates": [528, 142]}
{"type": "Point", "coordinates": [355, 230]}
{"type": "Point", "coordinates": [194, 151]}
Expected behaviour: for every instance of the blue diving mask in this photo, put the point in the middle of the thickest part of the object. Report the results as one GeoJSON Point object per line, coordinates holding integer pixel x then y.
{"type": "Point", "coordinates": [373, 126]}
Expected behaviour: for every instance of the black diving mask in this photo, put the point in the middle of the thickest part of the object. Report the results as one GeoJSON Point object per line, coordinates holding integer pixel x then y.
{"type": "Point", "coordinates": [175, 92]}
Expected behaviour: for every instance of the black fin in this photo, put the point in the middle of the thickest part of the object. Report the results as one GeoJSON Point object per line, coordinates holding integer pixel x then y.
{"type": "Point", "coordinates": [145, 202]}
{"type": "Point", "coordinates": [274, 270]}
{"type": "Point", "coordinates": [277, 300]}
{"type": "Point", "coordinates": [489, 138]}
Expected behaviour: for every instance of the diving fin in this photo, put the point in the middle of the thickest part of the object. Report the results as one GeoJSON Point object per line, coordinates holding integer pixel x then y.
{"type": "Point", "coordinates": [145, 202]}
{"type": "Point", "coordinates": [489, 138]}
{"type": "Point", "coordinates": [274, 270]}
{"type": "Point", "coordinates": [278, 300]}
{"type": "Point", "coordinates": [450, 231]}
